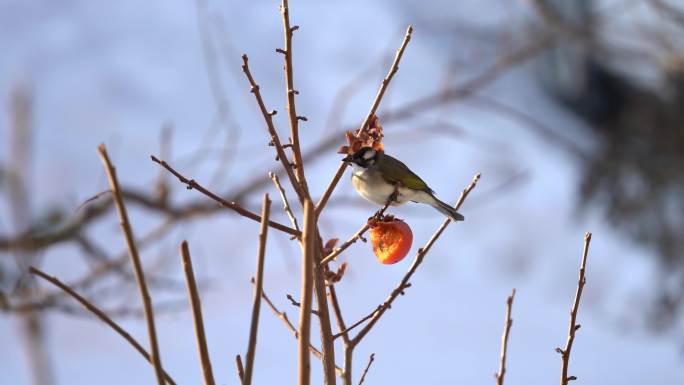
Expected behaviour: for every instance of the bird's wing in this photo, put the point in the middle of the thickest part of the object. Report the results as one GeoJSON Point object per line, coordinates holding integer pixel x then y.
{"type": "Point", "coordinates": [395, 171]}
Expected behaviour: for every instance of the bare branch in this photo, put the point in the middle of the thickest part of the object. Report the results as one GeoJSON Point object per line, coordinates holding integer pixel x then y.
{"type": "Point", "coordinates": [275, 139]}
{"type": "Point", "coordinates": [295, 303]}
{"type": "Point", "coordinates": [240, 369]}
{"type": "Point", "coordinates": [345, 332]}
{"type": "Point", "coordinates": [572, 328]}
{"type": "Point", "coordinates": [192, 184]}
{"type": "Point", "coordinates": [101, 315]}
{"type": "Point", "coordinates": [414, 266]}
{"type": "Point", "coordinates": [258, 289]}
{"type": "Point", "coordinates": [504, 340]}
{"type": "Point", "coordinates": [290, 93]}
{"type": "Point", "coordinates": [196, 307]}
{"type": "Point", "coordinates": [374, 107]}
{"type": "Point", "coordinates": [283, 317]}
{"type": "Point", "coordinates": [286, 203]}
{"type": "Point", "coordinates": [327, 340]}
{"type": "Point", "coordinates": [359, 234]}
{"type": "Point", "coordinates": [365, 371]}
{"type": "Point", "coordinates": [308, 254]}
{"type": "Point", "coordinates": [135, 260]}
{"type": "Point", "coordinates": [341, 325]}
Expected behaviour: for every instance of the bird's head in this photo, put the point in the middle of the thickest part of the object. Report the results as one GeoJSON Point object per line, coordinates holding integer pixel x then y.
{"type": "Point", "coordinates": [364, 157]}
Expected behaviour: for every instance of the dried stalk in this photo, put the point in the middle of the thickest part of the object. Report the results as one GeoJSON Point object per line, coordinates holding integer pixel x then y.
{"type": "Point", "coordinates": [504, 340]}
{"type": "Point", "coordinates": [572, 328]}
{"type": "Point", "coordinates": [290, 93]}
{"type": "Point", "coordinates": [196, 307]}
{"type": "Point", "coordinates": [192, 184]}
{"type": "Point", "coordinates": [101, 315]}
{"type": "Point", "coordinates": [275, 139]}
{"type": "Point", "coordinates": [374, 107]}
{"type": "Point", "coordinates": [258, 290]}
{"type": "Point", "coordinates": [308, 255]}
{"type": "Point", "coordinates": [135, 260]}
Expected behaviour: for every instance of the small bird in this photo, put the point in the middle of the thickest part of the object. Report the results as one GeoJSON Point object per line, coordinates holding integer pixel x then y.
{"type": "Point", "coordinates": [377, 176]}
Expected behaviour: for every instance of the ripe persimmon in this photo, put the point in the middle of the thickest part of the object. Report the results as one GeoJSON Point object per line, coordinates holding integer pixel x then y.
{"type": "Point", "coordinates": [391, 240]}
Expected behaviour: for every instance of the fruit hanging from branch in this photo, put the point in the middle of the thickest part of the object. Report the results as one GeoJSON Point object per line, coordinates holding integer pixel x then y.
{"type": "Point", "coordinates": [391, 239]}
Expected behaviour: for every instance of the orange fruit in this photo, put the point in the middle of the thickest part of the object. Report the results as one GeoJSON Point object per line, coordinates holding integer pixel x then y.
{"type": "Point", "coordinates": [391, 240]}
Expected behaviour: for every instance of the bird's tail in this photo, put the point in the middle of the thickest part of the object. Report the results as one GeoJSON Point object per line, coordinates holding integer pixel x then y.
{"type": "Point", "coordinates": [446, 209]}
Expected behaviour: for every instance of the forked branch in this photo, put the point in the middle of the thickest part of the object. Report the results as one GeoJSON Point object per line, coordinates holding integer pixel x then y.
{"type": "Point", "coordinates": [275, 139]}
{"type": "Point", "coordinates": [101, 315]}
{"type": "Point", "coordinates": [283, 197]}
{"type": "Point", "coordinates": [359, 234]}
{"type": "Point", "coordinates": [374, 107]}
{"type": "Point", "coordinates": [192, 184]}
{"type": "Point", "coordinates": [404, 283]}
{"type": "Point", "coordinates": [286, 320]}
{"type": "Point", "coordinates": [290, 93]}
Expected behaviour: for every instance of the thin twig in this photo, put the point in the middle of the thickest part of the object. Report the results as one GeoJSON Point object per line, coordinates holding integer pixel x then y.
{"type": "Point", "coordinates": [240, 368]}
{"type": "Point", "coordinates": [327, 340]}
{"type": "Point", "coordinates": [309, 250]}
{"type": "Point", "coordinates": [365, 371]}
{"type": "Point", "coordinates": [258, 289]}
{"type": "Point", "coordinates": [286, 320]}
{"type": "Point", "coordinates": [101, 315]}
{"type": "Point", "coordinates": [192, 184]}
{"type": "Point", "coordinates": [341, 325]}
{"type": "Point", "coordinates": [196, 307]}
{"type": "Point", "coordinates": [275, 139]}
{"type": "Point", "coordinates": [286, 203]}
{"type": "Point", "coordinates": [135, 260]}
{"type": "Point", "coordinates": [290, 93]}
{"type": "Point", "coordinates": [36, 240]}
{"type": "Point", "coordinates": [295, 303]}
{"type": "Point", "coordinates": [572, 328]}
{"type": "Point", "coordinates": [504, 340]}
{"type": "Point", "coordinates": [345, 332]}
{"type": "Point", "coordinates": [374, 107]}
{"type": "Point", "coordinates": [414, 266]}
{"type": "Point", "coordinates": [347, 348]}
{"type": "Point", "coordinates": [359, 234]}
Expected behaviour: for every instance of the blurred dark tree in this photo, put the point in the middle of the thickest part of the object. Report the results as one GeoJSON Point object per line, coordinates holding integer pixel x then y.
{"type": "Point", "coordinates": [636, 173]}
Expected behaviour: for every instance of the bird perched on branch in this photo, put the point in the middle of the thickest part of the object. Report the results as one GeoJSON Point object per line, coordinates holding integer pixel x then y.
{"type": "Point", "coordinates": [378, 176]}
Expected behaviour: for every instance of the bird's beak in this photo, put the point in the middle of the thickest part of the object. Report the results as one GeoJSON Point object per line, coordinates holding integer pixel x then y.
{"type": "Point", "coordinates": [347, 158]}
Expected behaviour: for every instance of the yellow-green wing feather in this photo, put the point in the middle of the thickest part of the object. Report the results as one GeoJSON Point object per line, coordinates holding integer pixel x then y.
{"type": "Point", "coordinates": [395, 171]}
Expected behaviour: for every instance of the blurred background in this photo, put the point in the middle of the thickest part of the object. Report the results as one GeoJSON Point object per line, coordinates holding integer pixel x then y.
{"type": "Point", "coordinates": [572, 110]}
